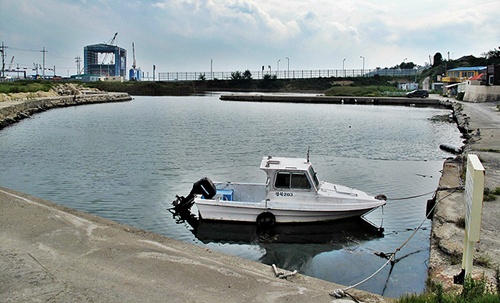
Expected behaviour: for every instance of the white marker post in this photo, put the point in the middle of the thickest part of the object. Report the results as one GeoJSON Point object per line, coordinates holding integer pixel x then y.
{"type": "Point", "coordinates": [474, 188]}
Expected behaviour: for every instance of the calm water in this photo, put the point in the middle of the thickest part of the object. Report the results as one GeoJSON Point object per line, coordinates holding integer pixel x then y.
{"type": "Point", "coordinates": [127, 161]}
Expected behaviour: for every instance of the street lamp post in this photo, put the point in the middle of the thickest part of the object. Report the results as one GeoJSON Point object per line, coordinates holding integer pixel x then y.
{"type": "Point", "coordinates": [278, 68]}
{"type": "Point", "coordinates": [363, 70]}
{"type": "Point", "coordinates": [343, 67]}
{"type": "Point", "coordinates": [211, 69]}
{"type": "Point", "coordinates": [288, 67]}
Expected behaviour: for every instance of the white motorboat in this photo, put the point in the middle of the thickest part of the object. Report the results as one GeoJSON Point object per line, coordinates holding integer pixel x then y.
{"type": "Point", "coordinates": [291, 194]}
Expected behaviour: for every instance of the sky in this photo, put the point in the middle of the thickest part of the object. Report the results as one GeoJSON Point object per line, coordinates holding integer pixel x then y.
{"type": "Point", "coordinates": [236, 35]}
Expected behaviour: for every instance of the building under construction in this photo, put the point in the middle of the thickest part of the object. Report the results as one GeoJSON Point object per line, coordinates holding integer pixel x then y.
{"type": "Point", "coordinates": [105, 60]}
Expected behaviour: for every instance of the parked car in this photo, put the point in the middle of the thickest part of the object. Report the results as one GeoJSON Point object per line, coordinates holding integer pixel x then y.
{"type": "Point", "coordinates": [422, 93]}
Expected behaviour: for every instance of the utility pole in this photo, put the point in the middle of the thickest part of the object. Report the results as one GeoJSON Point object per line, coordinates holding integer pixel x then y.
{"type": "Point", "coordinates": [43, 67]}
{"type": "Point", "coordinates": [2, 50]}
{"type": "Point", "coordinates": [78, 61]}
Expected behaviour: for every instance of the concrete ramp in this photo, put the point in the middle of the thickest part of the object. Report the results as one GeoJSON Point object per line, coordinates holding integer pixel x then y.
{"type": "Point", "coordinates": [51, 253]}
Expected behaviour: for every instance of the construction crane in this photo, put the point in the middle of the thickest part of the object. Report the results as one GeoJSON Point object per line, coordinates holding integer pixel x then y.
{"type": "Point", "coordinates": [111, 42]}
{"type": "Point", "coordinates": [112, 39]}
{"type": "Point", "coordinates": [134, 72]}
{"type": "Point", "coordinates": [133, 55]}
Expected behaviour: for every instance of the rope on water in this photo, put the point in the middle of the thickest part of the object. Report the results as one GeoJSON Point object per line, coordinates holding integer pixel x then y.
{"type": "Point", "coordinates": [340, 293]}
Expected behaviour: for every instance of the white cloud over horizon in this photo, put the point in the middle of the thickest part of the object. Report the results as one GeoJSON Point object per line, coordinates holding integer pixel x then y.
{"type": "Point", "coordinates": [184, 35]}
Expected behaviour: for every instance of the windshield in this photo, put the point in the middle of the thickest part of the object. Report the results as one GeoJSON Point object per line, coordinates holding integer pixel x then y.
{"type": "Point", "coordinates": [313, 174]}
{"type": "Point", "coordinates": [292, 180]}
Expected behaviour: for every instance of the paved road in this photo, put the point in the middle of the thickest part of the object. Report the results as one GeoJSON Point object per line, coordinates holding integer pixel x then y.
{"type": "Point", "coordinates": [483, 115]}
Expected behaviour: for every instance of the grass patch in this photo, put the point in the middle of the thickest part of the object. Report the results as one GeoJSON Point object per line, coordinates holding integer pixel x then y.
{"type": "Point", "coordinates": [474, 291]}
{"type": "Point", "coordinates": [25, 86]}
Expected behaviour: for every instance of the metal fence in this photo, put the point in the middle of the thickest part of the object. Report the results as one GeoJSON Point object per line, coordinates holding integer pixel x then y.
{"type": "Point", "coordinates": [288, 74]}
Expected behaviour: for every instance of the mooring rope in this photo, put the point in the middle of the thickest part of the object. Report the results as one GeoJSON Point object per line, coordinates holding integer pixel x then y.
{"type": "Point", "coordinates": [421, 195]}
{"type": "Point", "coordinates": [341, 293]}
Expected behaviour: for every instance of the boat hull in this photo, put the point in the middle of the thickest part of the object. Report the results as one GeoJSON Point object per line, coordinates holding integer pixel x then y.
{"type": "Point", "coordinates": [244, 212]}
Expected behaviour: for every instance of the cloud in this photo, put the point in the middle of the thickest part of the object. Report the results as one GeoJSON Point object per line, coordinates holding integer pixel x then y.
{"type": "Point", "coordinates": [185, 35]}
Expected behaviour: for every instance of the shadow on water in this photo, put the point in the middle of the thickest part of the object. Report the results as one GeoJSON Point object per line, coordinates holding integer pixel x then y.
{"type": "Point", "coordinates": [289, 246]}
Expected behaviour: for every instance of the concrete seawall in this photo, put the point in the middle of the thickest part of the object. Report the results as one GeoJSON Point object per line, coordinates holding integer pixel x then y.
{"type": "Point", "coordinates": [480, 126]}
{"type": "Point", "coordinates": [320, 99]}
{"type": "Point", "coordinates": [14, 111]}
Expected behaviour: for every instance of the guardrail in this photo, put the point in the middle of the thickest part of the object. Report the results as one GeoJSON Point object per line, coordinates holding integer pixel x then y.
{"type": "Point", "coordinates": [288, 74]}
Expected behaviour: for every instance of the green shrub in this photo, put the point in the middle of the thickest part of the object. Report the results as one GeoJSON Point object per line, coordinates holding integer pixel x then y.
{"type": "Point", "coordinates": [496, 191]}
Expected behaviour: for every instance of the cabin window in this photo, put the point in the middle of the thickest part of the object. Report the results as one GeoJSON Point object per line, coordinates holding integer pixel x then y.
{"type": "Point", "coordinates": [300, 181]}
{"type": "Point", "coordinates": [292, 180]}
{"type": "Point", "coordinates": [283, 180]}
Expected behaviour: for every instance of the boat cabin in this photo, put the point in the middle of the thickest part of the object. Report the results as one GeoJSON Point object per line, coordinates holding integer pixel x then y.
{"type": "Point", "coordinates": [289, 174]}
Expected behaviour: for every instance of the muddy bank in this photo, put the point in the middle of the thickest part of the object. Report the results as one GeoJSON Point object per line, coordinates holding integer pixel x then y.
{"type": "Point", "coordinates": [16, 110]}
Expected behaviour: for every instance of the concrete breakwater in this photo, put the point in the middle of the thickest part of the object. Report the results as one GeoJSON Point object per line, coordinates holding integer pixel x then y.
{"type": "Point", "coordinates": [321, 99]}
{"type": "Point", "coordinates": [14, 111]}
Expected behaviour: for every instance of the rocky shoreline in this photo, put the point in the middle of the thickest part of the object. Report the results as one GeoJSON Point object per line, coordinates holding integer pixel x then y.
{"type": "Point", "coordinates": [16, 110]}
{"type": "Point", "coordinates": [479, 125]}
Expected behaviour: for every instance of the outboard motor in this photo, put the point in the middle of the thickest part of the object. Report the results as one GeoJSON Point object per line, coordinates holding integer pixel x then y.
{"type": "Point", "coordinates": [204, 187]}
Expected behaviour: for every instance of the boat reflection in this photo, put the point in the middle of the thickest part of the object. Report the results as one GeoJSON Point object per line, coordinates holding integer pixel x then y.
{"type": "Point", "coordinates": [336, 233]}
{"type": "Point", "coordinates": [289, 246]}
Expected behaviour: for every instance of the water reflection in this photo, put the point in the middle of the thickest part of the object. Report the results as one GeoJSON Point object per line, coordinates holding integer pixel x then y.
{"type": "Point", "coordinates": [282, 244]}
